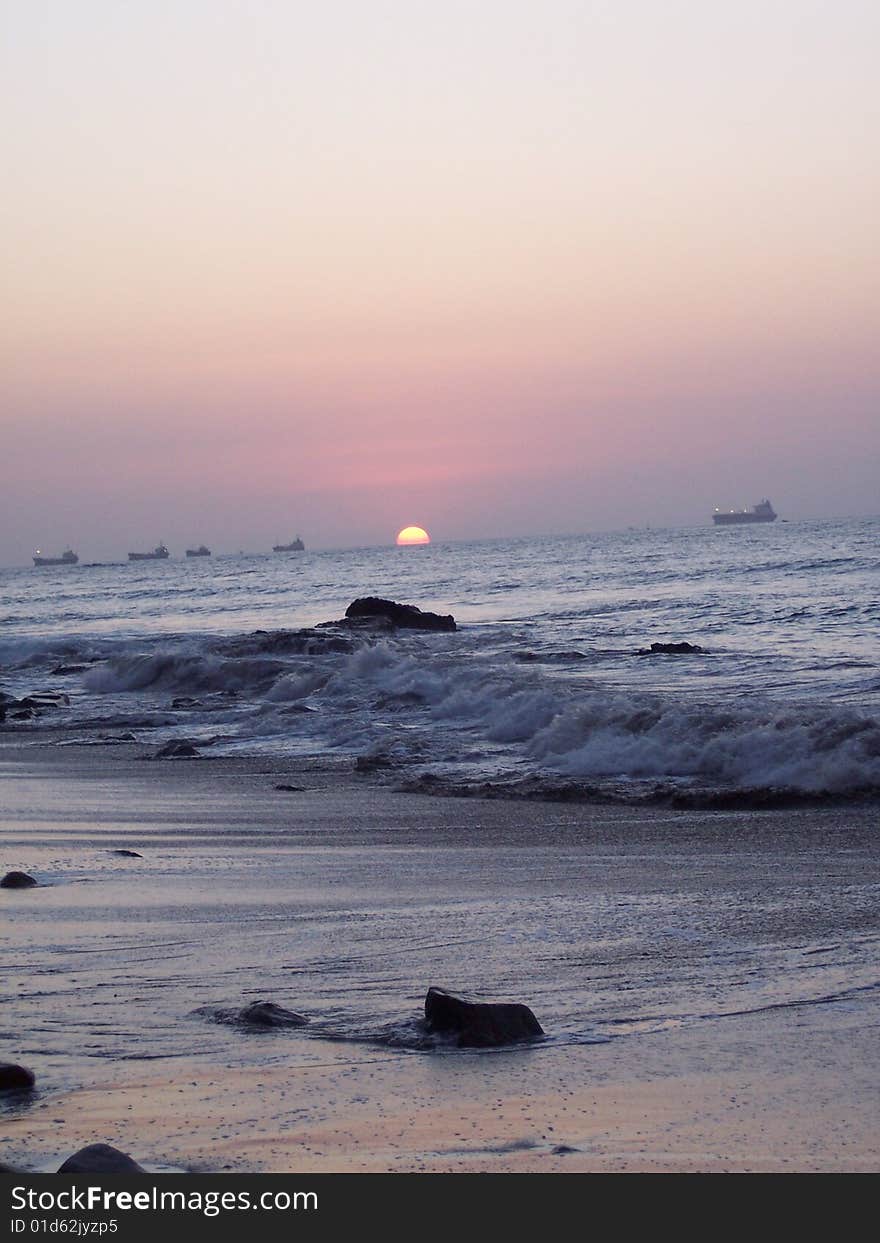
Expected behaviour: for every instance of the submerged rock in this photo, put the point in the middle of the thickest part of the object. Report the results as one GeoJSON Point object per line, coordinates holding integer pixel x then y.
{"type": "Point", "coordinates": [31, 706]}
{"type": "Point", "coordinates": [15, 1078]}
{"type": "Point", "coordinates": [480, 1025]}
{"type": "Point", "coordinates": [177, 749]}
{"type": "Point", "coordinates": [371, 763]}
{"type": "Point", "coordinates": [17, 880]}
{"type": "Point", "coordinates": [291, 789]}
{"type": "Point", "coordinates": [268, 1014]}
{"type": "Point", "coordinates": [127, 854]}
{"type": "Point", "coordinates": [100, 1159]}
{"type": "Point", "coordinates": [671, 649]}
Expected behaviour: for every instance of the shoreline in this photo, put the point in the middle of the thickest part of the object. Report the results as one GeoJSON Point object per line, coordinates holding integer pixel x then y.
{"type": "Point", "coordinates": [787, 1085]}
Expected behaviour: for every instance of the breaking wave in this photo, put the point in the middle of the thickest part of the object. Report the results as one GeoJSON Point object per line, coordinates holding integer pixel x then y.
{"type": "Point", "coordinates": [177, 671]}
{"type": "Point", "coordinates": [472, 710]}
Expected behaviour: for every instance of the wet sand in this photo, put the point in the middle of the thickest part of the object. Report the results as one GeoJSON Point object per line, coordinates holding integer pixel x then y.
{"type": "Point", "coordinates": [786, 1082]}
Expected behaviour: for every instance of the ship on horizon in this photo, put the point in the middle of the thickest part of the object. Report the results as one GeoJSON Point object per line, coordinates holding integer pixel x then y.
{"type": "Point", "coordinates": [68, 557]}
{"type": "Point", "coordinates": [159, 553]}
{"type": "Point", "coordinates": [201, 551]}
{"type": "Point", "coordinates": [762, 512]}
{"type": "Point", "coordinates": [295, 545]}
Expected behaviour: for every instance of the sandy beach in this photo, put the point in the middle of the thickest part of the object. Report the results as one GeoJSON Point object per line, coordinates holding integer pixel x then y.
{"type": "Point", "coordinates": [708, 981]}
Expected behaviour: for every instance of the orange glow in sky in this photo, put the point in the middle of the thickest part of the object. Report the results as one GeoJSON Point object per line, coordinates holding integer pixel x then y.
{"type": "Point", "coordinates": [413, 535]}
{"type": "Point", "coordinates": [586, 268]}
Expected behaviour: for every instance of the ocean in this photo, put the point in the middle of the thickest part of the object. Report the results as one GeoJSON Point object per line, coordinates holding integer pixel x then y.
{"type": "Point", "coordinates": [542, 687]}
{"type": "Point", "coordinates": [673, 861]}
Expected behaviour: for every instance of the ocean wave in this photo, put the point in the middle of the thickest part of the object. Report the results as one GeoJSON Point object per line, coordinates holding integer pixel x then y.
{"type": "Point", "coordinates": [418, 701]}
{"type": "Point", "coordinates": [596, 732]}
{"type": "Point", "coordinates": [763, 747]}
{"type": "Point", "coordinates": [182, 671]}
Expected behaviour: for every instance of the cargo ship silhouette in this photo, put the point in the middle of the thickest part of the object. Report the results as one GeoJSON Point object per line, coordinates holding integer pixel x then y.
{"type": "Point", "coordinates": [762, 512]}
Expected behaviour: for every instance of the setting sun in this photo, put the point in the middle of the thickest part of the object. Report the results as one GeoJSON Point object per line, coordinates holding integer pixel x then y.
{"type": "Point", "coordinates": [413, 535]}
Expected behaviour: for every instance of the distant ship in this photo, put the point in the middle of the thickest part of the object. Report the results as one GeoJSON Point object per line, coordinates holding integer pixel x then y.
{"type": "Point", "coordinates": [201, 551]}
{"type": "Point", "coordinates": [66, 558]}
{"type": "Point", "coordinates": [159, 553]}
{"type": "Point", "coordinates": [762, 512]}
{"type": "Point", "coordinates": [295, 545]}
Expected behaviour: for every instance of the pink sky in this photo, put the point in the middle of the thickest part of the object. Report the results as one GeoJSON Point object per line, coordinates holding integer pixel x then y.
{"type": "Point", "coordinates": [490, 268]}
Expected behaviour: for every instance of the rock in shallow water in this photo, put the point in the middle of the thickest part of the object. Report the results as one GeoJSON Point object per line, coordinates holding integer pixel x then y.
{"type": "Point", "coordinates": [405, 616]}
{"type": "Point", "coordinates": [100, 1159]}
{"type": "Point", "coordinates": [671, 649]}
{"type": "Point", "coordinates": [268, 1014]}
{"type": "Point", "coordinates": [480, 1025]}
{"type": "Point", "coordinates": [15, 1078]}
{"type": "Point", "coordinates": [177, 749]}
{"type": "Point", "coordinates": [17, 880]}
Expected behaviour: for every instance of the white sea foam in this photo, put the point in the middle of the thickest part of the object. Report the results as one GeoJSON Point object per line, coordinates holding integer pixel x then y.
{"type": "Point", "coordinates": [464, 701]}
{"type": "Point", "coordinates": [181, 671]}
{"type": "Point", "coordinates": [542, 678]}
{"type": "Point", "coordinates": [587, 731]}
{"type": "Point", "coordinates": [759, 747]}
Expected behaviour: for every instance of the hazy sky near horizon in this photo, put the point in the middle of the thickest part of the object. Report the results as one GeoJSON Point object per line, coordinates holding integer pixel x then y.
{"type": "Point", "coordinates": [489, 267]}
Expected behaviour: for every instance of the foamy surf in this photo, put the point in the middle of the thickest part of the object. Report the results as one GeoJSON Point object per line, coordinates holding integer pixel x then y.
{"type": "Point", "coordinates": [455, 706]}
{"type": "Point", "coordinates": [544, 691]}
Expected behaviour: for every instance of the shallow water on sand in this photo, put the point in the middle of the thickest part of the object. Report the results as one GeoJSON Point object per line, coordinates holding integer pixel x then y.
{"type": "Point", "coordinates": [345, 905]}
{"type": "Point", "coordinates": [578, 888]}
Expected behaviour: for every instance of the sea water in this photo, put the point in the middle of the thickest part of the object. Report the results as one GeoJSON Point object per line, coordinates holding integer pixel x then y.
{"type": "Point", "coordinates": [545, 680]}
{"type": "Point", "coordinates": [612, 921]}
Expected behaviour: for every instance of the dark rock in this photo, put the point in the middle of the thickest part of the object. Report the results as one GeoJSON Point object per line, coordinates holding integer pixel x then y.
{"type": "Point", "coordinates": [373, 625]}
{"type": "Point", "coordinates": [280, 642]}
{"type": "Point", "coordinates": [670, 649]}
{"type": "Point", "coordinates": [372, 763]}
{"type": "Point", "coordinates": [267, 1014]}
{"type": "Point", "coordinates": [177, 749]}
{"type": "Point", "coordinates": [184, 701]}
{"type": "Point", "coordinates": [17, 880]}
{"type": "Point", "coordinates": [61, 670]}
{"type": "Point", "coordinates": [480, 1025]}
{"type": "Point", "coordinates": [14, 1078]}
{"type": "Point", "coordinates": [100, 1159]}
{"type": "Point", "coordinates": [128, 854]}
{"type": "Point", "coordinates": [291, 789]}
{"type": "Point", "coordinates": [406, 616]}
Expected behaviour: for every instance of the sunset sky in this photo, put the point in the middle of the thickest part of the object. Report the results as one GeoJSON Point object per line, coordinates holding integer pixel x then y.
{"type": "Point", "coordinates": [489, 267]}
